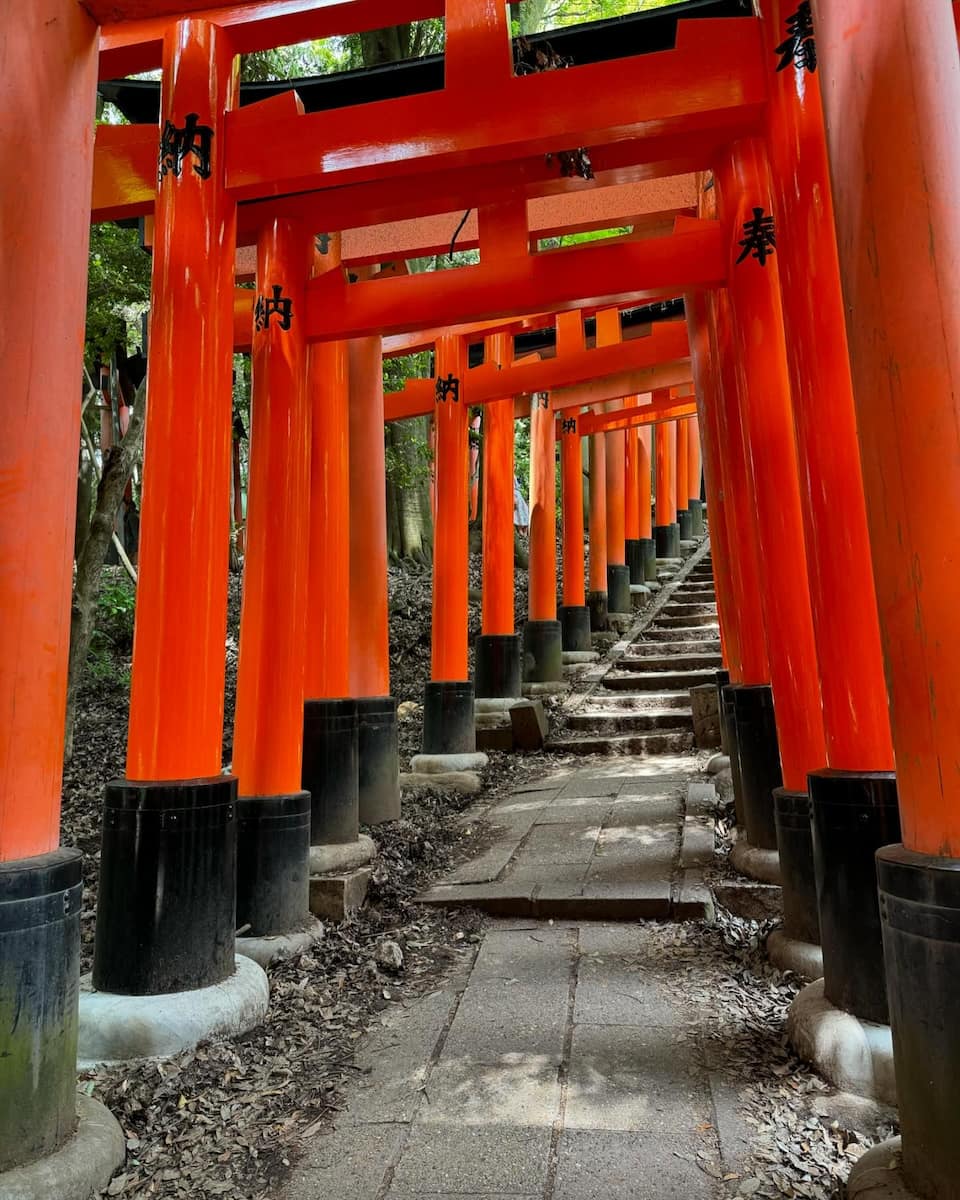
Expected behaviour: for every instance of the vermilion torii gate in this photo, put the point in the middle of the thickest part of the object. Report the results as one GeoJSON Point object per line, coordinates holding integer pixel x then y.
{"type": "Point", "coordinates": [798, 427]}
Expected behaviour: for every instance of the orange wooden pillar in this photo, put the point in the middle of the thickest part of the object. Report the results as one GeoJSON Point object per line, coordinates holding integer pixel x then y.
{"type": "Point", "coordinates": [618, 573]}
{"type": "Point", "coordinates": [709, 400]}
{"type": "Point", "coordinates": [331, 745]}
{"type": "Point", "coordinates": [666, 532]}
{"type": "Point", "coordinates": [273, 810]}
{"type": "Point", "coordinates": [648, 547]}
{"type": "Point", "coordinates": [631, 500]}
{"type": "Point", "coordinates": [448, 716]}
{"type": "Point", "coordinates": [174, 748]}
{"type": "Point", "coordinates": [542, 642]}
{"type": "Point", "coordinates": [379, 761]}
{"type": "Point", "coordinates": [680, 480]}
{"type": "Point", "coordinates": [890, 79]}
{"type": "Point", "coordinates": [574, 613]}
{"type": "Point", "coordinates": [497, 660]}
{"type": "Point", "coordinates": [597, 596]}
{"type": "Point", "coordinates": [47, 93]}
{"type": "Point", "coordinates": [839, 565]}
{"type": "Point", "coordinates": [694, 474]}
{"type": "Point", "coordinates": [744, 198]}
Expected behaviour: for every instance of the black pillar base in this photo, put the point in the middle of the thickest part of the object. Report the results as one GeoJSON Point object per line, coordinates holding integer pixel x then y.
{"type": "Point", "coordinates": [759, 753]}
{"type": "Point", "coordinates": [497, 666]}
{"type": "Point", "coordinates": [696, 517]}
{"type": "Point", "coordinates": [331, 771]}
{"type": "Point", "coordinates": [618, 588]}
{"type": "Point", "coordinates": [795, 842]}
{"type": "Point", "coordinates": [542, 652]}
{"type": "Point", "coordinates": [853, 814]}
{"type": "Point", "coordinates": [685, 522]}
{"type": "Point", "coordinates": [728, 723]}
{"type": "Point", "coordinates": [597, 604]}
{"type": "Point", "coordinates": [379, 756]}
{"type": "Point", "coordinates": [723, 680]}
{"type": "Point", "coordinates": [449, 725]}
{"type": "Point", "coordinates": [575, 627]}
{"type": "Point", "coordinates": [667, 539]}
{"type": "Point", "coordinates": [39, 985]}
{"type": "Point", "coordinates": [167, 900]}
{"type": "Point", "coordinates": [634, 557]}
{"type": "Point", "coordinates": [920, 906]}
{"type": "Point", "coordinates": [649, 551]}
{"type": "Point", "coordinates": [273, 849]}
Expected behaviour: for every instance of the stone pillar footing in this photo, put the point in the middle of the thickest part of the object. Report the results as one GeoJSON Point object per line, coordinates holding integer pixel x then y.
{"type": "Point", "coordinates": [448, 718]}
{"type": "Point", "coordinates": [804, 959]}
{"type": "Point", "coordinates": [542, 652]}
{"type": "Point", "coordinates": [166, 904]}
{"type": "Point", "coordinates": [123, 1028]}
{"type": "Point", "coordinates": [618, 588]}
{"type": "Point", "coordinates": [575, 627]}
{"type": "Point", "coordinates": [277, 948]}
{"type": "Point", "coordinates": [879, 1174]}
{"type": "Point", "coordinates": [754, 862]}
{"type": "Point", "coordinates": [379, 758]}
{"type": "Point", "coordinates": [80, 1168]}
{"type": "Point", "coordinates": [853, 1054]}
{"type": "Point", "coordinates": [498, 662]}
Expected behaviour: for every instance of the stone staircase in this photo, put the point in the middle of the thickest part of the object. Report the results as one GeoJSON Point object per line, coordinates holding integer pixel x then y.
{"type": "Point", "coordinates": [640, 702]}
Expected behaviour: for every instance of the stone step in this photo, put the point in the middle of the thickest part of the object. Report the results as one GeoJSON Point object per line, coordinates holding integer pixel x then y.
{"type": "Point", "coordinates": [657, 649]}
{"type": "Point", "coordinates": [638, 744]}
{"type": "Point", "coordinates": [682, 633]}
{"type": "Point", "coordinates": [693, 595]}
{"type": "Point", "coordinates": [670, 662]}
{"type": "Point", "coordinates": [643, 900]}
{"type": "Point", "coordinates": [629, 681]}
{"type": "Point", "coordinates": [675, 607]}
{"type": "Point", "coordinates": [646, 701]}
{"type": "Point", "coordinates": [627, 721]}
{"type": "Point", "coordinates": [685, 621]}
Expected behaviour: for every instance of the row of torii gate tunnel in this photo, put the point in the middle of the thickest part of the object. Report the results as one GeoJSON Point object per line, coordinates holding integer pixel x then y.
{"type": "Point", "coordinates": [788, 300]}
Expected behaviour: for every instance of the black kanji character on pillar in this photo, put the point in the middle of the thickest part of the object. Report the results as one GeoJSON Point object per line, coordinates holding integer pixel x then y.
{"type": "Point", "coordinates": [541, 399]}
{"type": "Point", "coordinates": [323, 243]}
{"type": "Point", "coordinates": [448, 387]}
{"type": "Point", "coordinates": [569, 425]}
{"type": "Point", "coordinates": [275, 305]}
{"type": "Point", "coordinates": [176, 144]}
{"type": "Point", "coordinates": [759, 238]}
{"type": "Point", "coordinates": [799, 47]}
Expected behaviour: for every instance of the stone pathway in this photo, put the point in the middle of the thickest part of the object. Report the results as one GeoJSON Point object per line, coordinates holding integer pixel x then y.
{"type": "Point", "coordinates": [565, 1064]}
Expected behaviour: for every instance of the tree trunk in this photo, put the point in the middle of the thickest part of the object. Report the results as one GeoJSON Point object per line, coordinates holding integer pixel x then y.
{"type": "Point", "coordinates": [118, 466]}
{"type": "Point", "coordinates": [409, 520]}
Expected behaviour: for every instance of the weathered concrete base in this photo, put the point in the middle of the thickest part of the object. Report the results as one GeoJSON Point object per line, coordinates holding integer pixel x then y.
{"type": "Point", "coordinates": [640, 590]}
{"type": "Point", "coordinates": [496, 733]}
{"type": "Point", "coordinates": [345, 856]}
{"type": "Point", "coordinates": [554, 688]}
{"type": "Point", "coordinates": [790, 954]}
{"type": "Point", "coordinates": [719, 762]}
{"type": "Point", "coordinates": [754, 862]}
{"type": "Point", "coordinates": [620, 622]}
{"type": "Point", "coordinates": [115, 1028]}
{"type": "Point", "coordinates": [752, 901]}
{"type": "Point", "coordinates": [573, 658]}
{"type": "Point", "coordinates": [465, 782]}
{"type": "Point", "coordinates": [484, 706]}
{"type": "Point", "coordinates": [529, 725]}
{"type": "Point", "coordinates": [854, 1055]}
{"type": "Point", "coordinates": [443, 764]}
{"type": "Point", "coordinates": [269, 950]}
{"type": "Point", "coordinates": [83, 1166]}
{"type": "Point", "coordinates": [705, 707]}
{"type": "Point", "coordinates": [878, 1174]}
{"type": "Point", "coordinates": [334, 897]}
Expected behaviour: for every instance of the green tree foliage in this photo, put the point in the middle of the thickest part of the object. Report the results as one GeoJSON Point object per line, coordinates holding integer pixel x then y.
{"type": "Point", "coordinates": [534, 16]}
{"type": "Point", "coordinates": [118, 288]}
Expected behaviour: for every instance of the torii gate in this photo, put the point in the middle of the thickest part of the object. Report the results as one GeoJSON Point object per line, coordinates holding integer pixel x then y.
{"type": "Point", "coordinates": [731, 94]}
